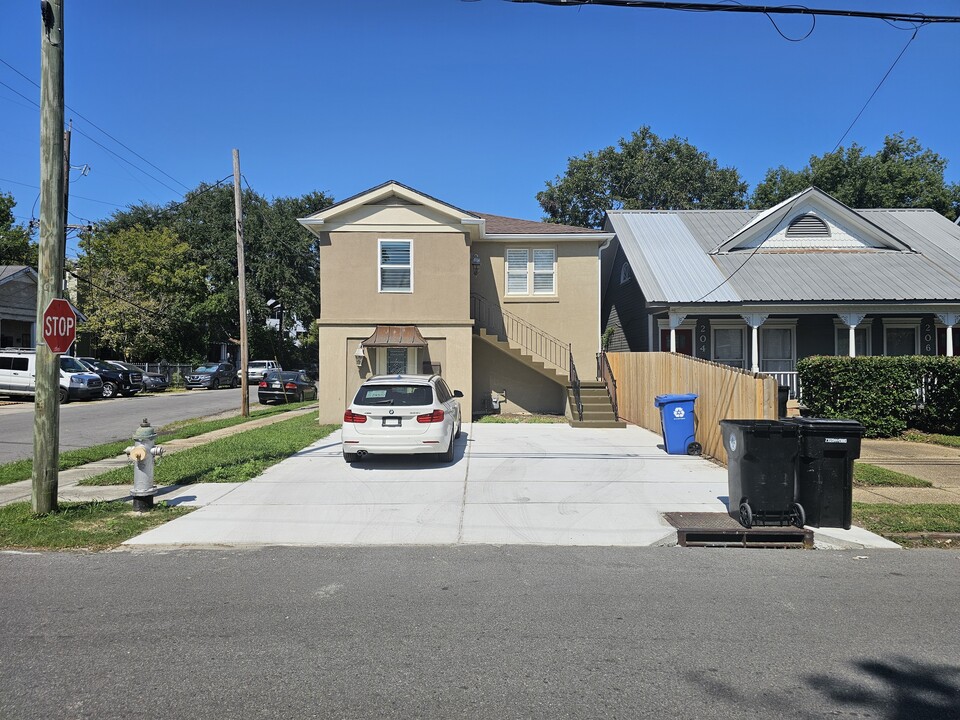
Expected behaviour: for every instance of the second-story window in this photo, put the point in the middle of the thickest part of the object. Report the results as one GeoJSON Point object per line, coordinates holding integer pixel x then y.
{"type": "Point", "coordinates": [531, 271]}
{"type": "Point", "coordinates": [396, 266]}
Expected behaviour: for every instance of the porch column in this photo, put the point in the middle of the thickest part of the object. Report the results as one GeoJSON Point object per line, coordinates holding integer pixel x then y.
{"type": "Point", "coordinates": [949, 319]}
{"type": "Point", "coordinates": [851, 320]}
{"type": "Point", "coordinates": [676, 319]}
{"type": "Point", "coordinates": [755, 320]}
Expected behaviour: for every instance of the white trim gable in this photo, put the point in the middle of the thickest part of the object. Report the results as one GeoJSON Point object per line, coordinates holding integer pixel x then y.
{"type": "Point", "coordinates": [848, 230]}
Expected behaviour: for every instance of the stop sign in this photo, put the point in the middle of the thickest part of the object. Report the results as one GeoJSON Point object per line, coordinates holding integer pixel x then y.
{"type": "Point", "coordinates": [59, 325]}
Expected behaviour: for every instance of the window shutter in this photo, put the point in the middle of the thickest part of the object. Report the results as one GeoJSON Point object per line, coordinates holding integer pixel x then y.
{"type": "Point", "coordinates": [543, 272]}
{"type": "Point", "coordinates": [517, 271]}
{"type": "Point", "coordinates": [395, 266]}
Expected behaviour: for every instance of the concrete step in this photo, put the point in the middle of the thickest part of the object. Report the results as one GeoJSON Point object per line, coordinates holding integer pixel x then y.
{"type": "Point", "coordinates": [598, 424]}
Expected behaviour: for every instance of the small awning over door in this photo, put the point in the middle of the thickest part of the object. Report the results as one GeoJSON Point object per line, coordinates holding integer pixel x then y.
{"type": "Point", "coordinates": [395, 336]}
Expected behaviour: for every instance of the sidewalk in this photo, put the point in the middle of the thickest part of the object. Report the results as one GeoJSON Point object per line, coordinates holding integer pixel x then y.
{"type": "Point", "coordinates": [935, 463]}
{"type": "Point", "coordinates": [202, 493]}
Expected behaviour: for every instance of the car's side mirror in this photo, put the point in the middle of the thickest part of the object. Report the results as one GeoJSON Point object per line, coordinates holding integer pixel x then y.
{"type": "Point", "coordinates": [457, 393]}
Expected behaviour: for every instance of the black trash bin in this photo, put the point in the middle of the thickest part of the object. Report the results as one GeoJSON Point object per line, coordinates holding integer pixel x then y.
{"type": "Point", "coordinates": [761, 471]}
{"type": "Point", "coordinates": [825, 469]}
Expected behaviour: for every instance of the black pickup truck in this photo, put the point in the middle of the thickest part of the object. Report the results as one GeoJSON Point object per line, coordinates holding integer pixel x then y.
{"type": "Point", "coordinates": [117, 380]}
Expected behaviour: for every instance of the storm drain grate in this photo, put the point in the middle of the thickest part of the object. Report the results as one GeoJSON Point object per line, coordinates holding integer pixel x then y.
{"type": "Point", "coordinates": [721, 530]}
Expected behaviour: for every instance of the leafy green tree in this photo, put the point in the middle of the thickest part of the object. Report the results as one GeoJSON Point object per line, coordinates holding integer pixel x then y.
{"type": "Point", "coordinates": [901, 174]}
{"type": "Point", "coordinates": [16, 246]}
{"type": "Point", "coordinates": [642, 172]}
{"type": "Point", "coordinates": [281, 259]}
{"type": "Point", "coordinates": [140, 293]}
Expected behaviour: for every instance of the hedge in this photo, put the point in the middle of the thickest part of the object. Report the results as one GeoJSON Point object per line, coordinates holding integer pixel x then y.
{"type": "Point", "coordinates": [886, 395]}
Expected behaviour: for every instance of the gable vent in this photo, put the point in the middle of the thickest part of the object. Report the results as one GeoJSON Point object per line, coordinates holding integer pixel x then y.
{"type": "Point", "coordinates": [808, 226]}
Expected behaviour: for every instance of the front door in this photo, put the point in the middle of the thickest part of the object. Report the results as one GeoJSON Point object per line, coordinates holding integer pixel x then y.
{"type": "Point", "coordinates": [684, 341]}
{"type": "Point", "coordinates": [396, 360]}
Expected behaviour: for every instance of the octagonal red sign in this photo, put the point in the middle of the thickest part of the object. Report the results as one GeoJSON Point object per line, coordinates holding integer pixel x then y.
{"type": "Point", "coordinates": [59, 325]}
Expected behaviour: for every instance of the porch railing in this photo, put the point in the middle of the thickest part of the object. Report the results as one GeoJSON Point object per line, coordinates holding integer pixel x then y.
{"type": "Point", "coordinates": [790, 380]}
{"type": "Point", "coordinates": [513, 328]}
{"type": "Point", "coordinates": [605, 374]}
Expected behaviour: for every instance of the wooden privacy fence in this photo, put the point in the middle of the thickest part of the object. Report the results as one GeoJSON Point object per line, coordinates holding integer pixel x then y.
{"type": "Point", "coordinates": [722, 392]}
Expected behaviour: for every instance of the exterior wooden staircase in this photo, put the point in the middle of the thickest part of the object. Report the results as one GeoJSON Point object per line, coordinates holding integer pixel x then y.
{"type": "Point", "coordinates": [590, 405]}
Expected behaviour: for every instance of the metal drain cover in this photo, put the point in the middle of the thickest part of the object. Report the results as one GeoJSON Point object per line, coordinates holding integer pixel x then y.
{"type": "Point", "coordinates": [697, 529]}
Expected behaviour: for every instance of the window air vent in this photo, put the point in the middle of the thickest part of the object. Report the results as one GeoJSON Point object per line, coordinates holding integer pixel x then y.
{"type": "Point", "coordinates": [808, 226]}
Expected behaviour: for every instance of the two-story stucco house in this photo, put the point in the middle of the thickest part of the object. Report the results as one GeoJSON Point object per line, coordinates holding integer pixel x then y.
{"type": "Point", "coordinates": [506, 310]}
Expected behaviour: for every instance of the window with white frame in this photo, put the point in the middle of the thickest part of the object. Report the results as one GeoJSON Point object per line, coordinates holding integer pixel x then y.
{"type": "Point", "coordinates": [531, 271]}
{"type": "Point", "coordinates": [728, 346]}
{"type": "Point", "coordinates": [777, 348]}
{"type": "Point", "coordinates": [396, 266]}
{"type": "Point", "coordinates": [901, 337]}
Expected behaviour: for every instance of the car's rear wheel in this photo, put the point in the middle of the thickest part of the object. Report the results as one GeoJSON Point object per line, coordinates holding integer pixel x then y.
{"type": "Point", "coordinates": [350, 457]}
{"type": "Point", "coordinates": [109, 390]}
{"type": "Point", "coordinates": [447, 456]}
{"type": "Point", "coordinates": [235, 382]}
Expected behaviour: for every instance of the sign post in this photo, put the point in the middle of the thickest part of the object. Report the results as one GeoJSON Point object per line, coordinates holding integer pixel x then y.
{"type": "Point", "coordinates": [59, 326]}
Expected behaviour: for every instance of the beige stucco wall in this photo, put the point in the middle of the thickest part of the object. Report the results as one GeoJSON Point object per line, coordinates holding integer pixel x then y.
{"type": "Point", "coordinates": [573, 315]}
{"type": "Point", "coordinates": [450, 346]}
{"type": "Point", "coordinates": [526, 390]}
{"type": "Point", "coordinates": [349, 278]}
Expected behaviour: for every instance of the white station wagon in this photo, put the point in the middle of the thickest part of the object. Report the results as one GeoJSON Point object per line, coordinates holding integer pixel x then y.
{"type": "Point", "coordinates": [402, 414]}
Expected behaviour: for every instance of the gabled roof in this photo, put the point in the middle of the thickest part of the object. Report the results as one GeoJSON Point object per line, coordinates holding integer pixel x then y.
{"type": "Point", "coordinates": [482, 226]}
{"type": "Point", "coordinates": [711, 256]}
{"type": "Point", "coordinates": [10, 272]}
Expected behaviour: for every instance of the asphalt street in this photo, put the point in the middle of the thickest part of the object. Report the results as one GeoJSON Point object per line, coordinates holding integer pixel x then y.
{"type": "Point", "coordinates": [86, 423]}
{"type": "Point", "coordinates": [480, 632]}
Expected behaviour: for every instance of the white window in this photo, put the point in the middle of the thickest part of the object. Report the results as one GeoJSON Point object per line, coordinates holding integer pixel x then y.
{"type": "Point", "coordinates": [396, 266]}
{"type": "Point", "coordinates": [728, 346]}
{"type": "Point", "coordinates": [777, 349]}
{"type": "Point", "coordinates": [625, 275]}
{"type": "Point", "coordinates": [901, 337]}
{"type": "Point", "coordinates": [531, 271]}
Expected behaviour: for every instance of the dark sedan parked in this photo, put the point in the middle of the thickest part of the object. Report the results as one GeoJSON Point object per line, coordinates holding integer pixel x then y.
{"type": "Point", "coordinates": [213, 376]}
{"type": "Point", "coordinates": [286, 386]}
{"type": "Point", "coordinates": [155, 382]}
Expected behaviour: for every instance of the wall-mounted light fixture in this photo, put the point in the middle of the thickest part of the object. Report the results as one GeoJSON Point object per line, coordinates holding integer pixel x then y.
{"type": "Point", "coordinates": [475, 263]}
{"type": "Point", "coordinates": [358, 355]}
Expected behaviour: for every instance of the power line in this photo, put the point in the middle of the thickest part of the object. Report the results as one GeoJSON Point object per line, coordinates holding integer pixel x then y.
{"type": "Point", "coordinates": [761, 9]}
{"type": "Point", "coordinates": [91, 122]}
{"type": "Point", "coordinates": [882, 80]}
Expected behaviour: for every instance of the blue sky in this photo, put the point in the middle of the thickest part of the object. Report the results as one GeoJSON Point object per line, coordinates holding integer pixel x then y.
{"type": "Point", "coordinates": [476, 103]}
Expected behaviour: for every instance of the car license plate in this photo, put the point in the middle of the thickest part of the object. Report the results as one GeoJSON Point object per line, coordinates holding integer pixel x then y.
{"type": "Point", "coordinates": [391, 422]}
{"type": "Point", "coordinates": [276, 385]}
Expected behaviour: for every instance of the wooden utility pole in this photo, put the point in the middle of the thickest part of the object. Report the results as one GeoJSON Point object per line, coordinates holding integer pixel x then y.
{"type": "Point", "coordinates": [241, 286]}
{"type": "Point", "coordinates": [46, 423]}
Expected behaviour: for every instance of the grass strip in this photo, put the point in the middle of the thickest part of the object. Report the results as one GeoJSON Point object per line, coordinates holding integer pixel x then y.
{"type": "Point", "coordinates": [23, 469]}
{"type": "Point", "coordinates": [932, 438]}
{"type": "Point", "coordinates": [231, 459]}
{"type": "Point", "coordinates": [867, 474]}
{"type": "Point", "coordinates": [518, 418]}
{"type": "Point", "coordinates": [78, 526]}
{"type": "Point", "coordinates": [888, 519]}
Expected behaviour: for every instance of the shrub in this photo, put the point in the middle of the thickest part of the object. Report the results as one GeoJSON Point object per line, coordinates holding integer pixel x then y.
{"type": "Point", "coordinates": [885, 394]}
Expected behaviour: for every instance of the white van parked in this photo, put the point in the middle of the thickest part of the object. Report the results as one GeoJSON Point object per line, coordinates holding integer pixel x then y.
{"type": "Point", "coordinates": [18, 370]}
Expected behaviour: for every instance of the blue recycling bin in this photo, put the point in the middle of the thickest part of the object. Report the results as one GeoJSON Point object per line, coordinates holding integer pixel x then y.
{"type": "Point", "coordinates": [677, 422]}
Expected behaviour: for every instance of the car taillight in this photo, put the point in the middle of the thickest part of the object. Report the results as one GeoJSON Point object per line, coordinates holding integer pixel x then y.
{"type": "Point", "coordinates": [263, 383]}
{"type": "Point", "coordinates": [352, 417]}
{"type": "Point", "coordinates": [435, 416]}
{"type": "Point", "coordinates": [291, 386]}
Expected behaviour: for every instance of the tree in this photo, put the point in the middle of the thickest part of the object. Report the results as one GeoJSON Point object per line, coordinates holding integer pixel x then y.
{"type": "Point", "coordinates": [644, 172]}
{"type": "Point", "coordinates": [901, 174]}
{"type": "Point", "coordinates": [140, 291]}
{"type": "Point", "coordinates": [281, 260]}
{"type": "Point", "coordinates": [16, 247]}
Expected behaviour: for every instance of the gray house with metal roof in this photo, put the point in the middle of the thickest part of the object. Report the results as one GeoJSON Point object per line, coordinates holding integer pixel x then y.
{"type": "Point", "coordinates": [761, 289]}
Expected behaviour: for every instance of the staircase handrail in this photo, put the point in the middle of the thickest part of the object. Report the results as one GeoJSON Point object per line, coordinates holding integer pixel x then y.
{"type": "Point", "coordinates": [605, 373]}
{"type": "Point", "coordinates": [575, 384]}
{"type": "Point", "coordinates": [493, 318]}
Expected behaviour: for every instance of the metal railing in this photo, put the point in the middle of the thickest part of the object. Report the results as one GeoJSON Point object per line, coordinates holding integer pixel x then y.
{"type": "Point", "coordinates": [605, 374]}
{"type": "Point", "coordinates": [788, 379]}
{"type": "Point", "coordinates": [174, 372]}
{"type": "Point", "coordinates": [513, 328]}
{"type": "Point", "coordinates": [575, 384]}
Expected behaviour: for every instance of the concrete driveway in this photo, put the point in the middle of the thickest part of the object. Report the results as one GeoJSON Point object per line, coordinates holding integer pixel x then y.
{"type": "Point", "coordinates": [509, 484]}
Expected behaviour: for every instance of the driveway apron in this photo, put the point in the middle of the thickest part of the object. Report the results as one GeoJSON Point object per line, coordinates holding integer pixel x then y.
{"type": "Point", "coordinates": [509, 484]}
